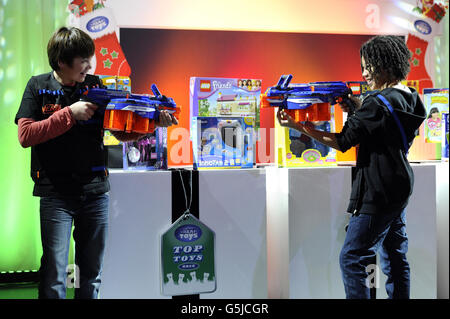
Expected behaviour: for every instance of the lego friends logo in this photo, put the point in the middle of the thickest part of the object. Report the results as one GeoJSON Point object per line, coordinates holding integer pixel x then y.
{"type": "Point", "coordinates": [221, 85]}
{"type": "Point", "coordinates": [50, 108]}
{"type": "Point", "coordinates": [205, 86]}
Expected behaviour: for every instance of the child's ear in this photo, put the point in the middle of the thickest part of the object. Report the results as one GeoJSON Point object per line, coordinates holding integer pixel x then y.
{"type": "Point", "coordinates": [61, 64]}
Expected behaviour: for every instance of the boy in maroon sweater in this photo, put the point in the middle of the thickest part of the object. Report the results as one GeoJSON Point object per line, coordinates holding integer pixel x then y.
{"type": "Point", "coordinates": [68, 163]}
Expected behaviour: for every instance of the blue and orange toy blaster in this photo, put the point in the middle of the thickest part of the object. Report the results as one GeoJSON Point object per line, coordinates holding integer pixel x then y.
{"type": "Point", "coordinates": [124, 111]}
{"type": "Point", "coordinates": [310, 101]}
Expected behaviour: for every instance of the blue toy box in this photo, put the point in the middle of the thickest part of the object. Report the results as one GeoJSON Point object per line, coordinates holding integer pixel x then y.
{"type": "Point", "coordinates": [445, 130]}
{"type": "Point", "coordinates": [222, 142]}
{"type": "Point", "coordinates": [224, 115]}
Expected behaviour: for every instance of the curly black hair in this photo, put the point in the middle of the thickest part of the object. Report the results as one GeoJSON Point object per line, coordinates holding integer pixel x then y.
{"type": "Point", "coordinates": [387, 58]}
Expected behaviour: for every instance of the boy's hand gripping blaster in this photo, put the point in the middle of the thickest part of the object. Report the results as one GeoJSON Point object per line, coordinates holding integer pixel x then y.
{"type": "Point", "coordinates": [128, 112]}
{"type": "Point", "coordinates": [309, 101]}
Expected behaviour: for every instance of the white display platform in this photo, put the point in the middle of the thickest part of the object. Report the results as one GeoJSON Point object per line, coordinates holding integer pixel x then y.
{"type": "Point", "coordinates": [422, 235]}
{"type": "Point", "coordinates": [233, 204]}
{"type": "Point", "coordinates": [317, 205]}
{"type": "Point", "coordinates": [442, 230]}
{"type": "Point", "coordinates": [279, 231]}
{"type": "Point", "coordinates": [140, 211]}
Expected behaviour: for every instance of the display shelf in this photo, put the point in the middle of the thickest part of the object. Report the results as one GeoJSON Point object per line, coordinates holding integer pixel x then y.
{"type": "Point", "coordinates": [279, 231]}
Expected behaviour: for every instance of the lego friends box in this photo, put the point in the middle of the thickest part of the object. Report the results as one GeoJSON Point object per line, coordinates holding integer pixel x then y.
{"type": "Point", "coordinates": [223, 119]}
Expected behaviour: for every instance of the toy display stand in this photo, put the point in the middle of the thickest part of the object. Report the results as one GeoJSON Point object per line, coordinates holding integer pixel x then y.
{"type": "Point", "coordinates": [231, 202]}
{"type": "Point", "coordinates": [279, 231]}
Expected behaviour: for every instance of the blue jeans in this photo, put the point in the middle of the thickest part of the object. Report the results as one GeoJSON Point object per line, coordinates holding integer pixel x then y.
{"type": "Point", "coordinates": [367, 235]}
{"type": "Point", "coordinates": [90, 217]}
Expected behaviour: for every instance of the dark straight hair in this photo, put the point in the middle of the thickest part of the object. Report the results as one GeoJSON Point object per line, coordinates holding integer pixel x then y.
{"type": "Point", "coordinates": [68, 43]}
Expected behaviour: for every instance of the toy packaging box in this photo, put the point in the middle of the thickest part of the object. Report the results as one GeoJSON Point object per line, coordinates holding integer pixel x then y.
{"type": "Point", "coordinates": [299, 150]}
{"type": "Point", "coordinates": [113, 146]}
{"type": "Point", "coordinates": [115, 83]}
{"type": "Point", "coordinates": [224, 116]}
{"type": "Point", "coordinates": [445, 130]}
{"type": "Point", "coordinates": [432, 131]}
{"type": "Point", "coordinates": [314, 103]}
{"type": "Point", "coordinates": [148, 153]}
{"type": "Point", "coordinates": [122, 83]}
{"type": "Point", "coordinates": [223, 142]}
{"type": "Point", "coordinates": [295, 149]}
{"type": "Point", "coordinates": [436, 102]}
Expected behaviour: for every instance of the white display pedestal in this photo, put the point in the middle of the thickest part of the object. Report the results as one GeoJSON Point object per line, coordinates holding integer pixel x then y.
{"type": "Point", "coordinates": [317, 205]}
{"type": "Point", "coordinates": [232, 203]}
{"type": "Point", "coordinates": [442, 230]}
{"type": "Point", "coordinates": [422, 235]}
{"type": "Point", "coordinates": [140, 211]}
{"type": "Point", "coordinates": [279, 231]}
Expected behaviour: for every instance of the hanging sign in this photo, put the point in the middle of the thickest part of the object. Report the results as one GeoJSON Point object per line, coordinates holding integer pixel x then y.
{"type": "Point", "coordinates": [187, 258]}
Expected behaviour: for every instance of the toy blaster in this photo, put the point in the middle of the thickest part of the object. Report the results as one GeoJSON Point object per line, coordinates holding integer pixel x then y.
{"type": "Point", "coordinates": [309, 101]}
{"type": "Point", "coordinates": [128, 112]}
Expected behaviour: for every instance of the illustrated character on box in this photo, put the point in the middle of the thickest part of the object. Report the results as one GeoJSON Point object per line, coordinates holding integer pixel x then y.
{"type": "Point", "coordinates": [249, 84]}
{"type": "Point", "coordinates": [434, 125]}
{"type": "Point", "coordinates": [384, 125]}
{"type": "Point", "coordinates": [68, 163]}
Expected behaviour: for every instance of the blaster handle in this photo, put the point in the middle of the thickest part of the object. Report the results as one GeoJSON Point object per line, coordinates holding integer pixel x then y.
{"type": "Point", "coordinates": [349, 102]}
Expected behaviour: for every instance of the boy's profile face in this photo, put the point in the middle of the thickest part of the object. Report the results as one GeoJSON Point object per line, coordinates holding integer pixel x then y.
{"type": "Point", "coordinates": [375, 81]}
{"type": "Point", "coordinates": [77, 72]}
{"type": "Point", "coordinates": [367, 73]}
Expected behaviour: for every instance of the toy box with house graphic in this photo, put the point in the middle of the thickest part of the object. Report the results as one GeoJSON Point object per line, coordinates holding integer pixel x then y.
{"type": "Point", "coordinates": [224, 115]}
